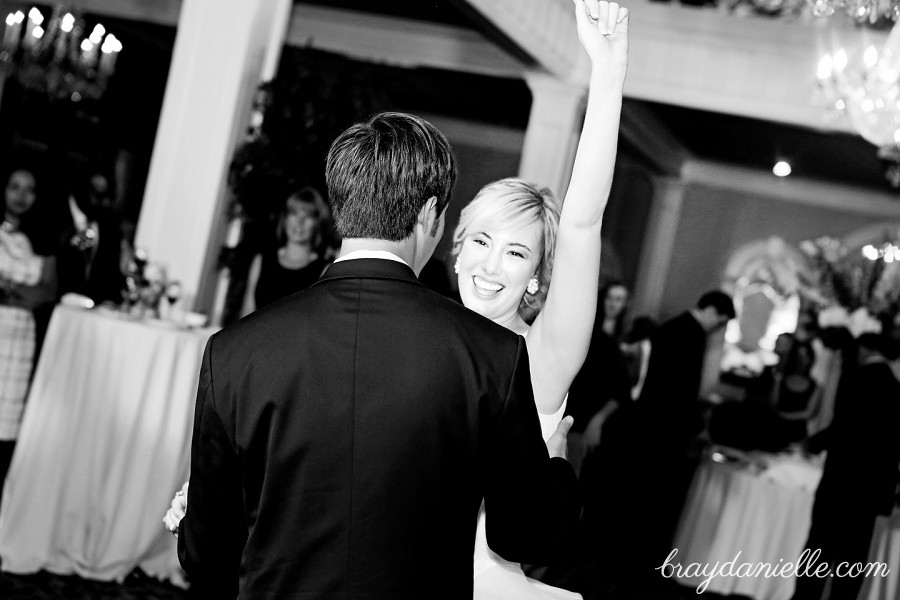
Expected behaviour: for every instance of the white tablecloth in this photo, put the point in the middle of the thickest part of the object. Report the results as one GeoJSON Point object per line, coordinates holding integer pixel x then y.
{"type": "Point", "coordinates": [766, 516]}
{"type": "Point", "coordinates": [885, 548]}
{"type": "Point", "coordinates": [104, 444]}
{"type": "Point", "coordinates": [731, 510]}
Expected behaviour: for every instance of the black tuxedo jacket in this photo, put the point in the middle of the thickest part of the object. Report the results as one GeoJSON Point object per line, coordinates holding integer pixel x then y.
{"type": "Point", "coordinates": [345, 436]}
{"type": "Point", "coordinates": [668, 403]}
{"type": "Point", "coordinates": [863, 446]}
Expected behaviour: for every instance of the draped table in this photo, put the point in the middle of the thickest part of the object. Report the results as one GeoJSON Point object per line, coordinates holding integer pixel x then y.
{"type": "Point", "coordinates": [885, 548]}
{"type": "Point", "coordinates": [104, 444]}
{"type": "Point", "coordinates": [764, 514]}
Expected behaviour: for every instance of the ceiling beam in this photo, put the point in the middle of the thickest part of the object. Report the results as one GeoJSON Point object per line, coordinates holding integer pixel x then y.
{"type": "Point", "coordinates": [757, 67]}
{"type": "Point", "coordinates": [836, 196]}
{"type": "Point", "coordinates": [158, 12]}
{"type": "Point", "coordinates": [398, 41]}
{"type": "Point", "coordinates": [753, 66]}
{"type": "Point", "coordinates": [544, 29]}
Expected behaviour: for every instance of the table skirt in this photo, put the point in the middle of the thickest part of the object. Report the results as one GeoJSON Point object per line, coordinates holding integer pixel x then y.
{"type": "Point", "coordinates": [104, 444]}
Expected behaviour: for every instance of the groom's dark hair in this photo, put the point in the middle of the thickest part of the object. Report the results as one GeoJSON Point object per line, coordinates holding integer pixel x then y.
{"type": "Point", "coordinates": [381, 172]}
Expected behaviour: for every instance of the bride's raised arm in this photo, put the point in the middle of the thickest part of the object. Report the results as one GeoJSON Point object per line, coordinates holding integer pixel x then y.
{"type": "Point", "coordinates": [559, 338]}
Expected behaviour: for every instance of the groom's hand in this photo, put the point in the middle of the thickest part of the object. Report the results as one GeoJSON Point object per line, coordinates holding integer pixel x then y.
{"type": "Point", "coordinates": [558, 442]}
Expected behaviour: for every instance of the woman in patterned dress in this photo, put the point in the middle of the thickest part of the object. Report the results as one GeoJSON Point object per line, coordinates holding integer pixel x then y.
{"type": "Point", "coordinates": [26, 280]}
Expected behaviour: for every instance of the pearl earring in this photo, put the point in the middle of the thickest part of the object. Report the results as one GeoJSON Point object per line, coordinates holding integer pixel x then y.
{"type": "Point", "coordinates": [456, 266]}
{"type": "Point", "coordinates": [533, 286]}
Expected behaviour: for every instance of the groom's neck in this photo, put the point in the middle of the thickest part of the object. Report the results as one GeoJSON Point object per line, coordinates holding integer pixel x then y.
{"type": "Point", "coordinates": [405, 249]}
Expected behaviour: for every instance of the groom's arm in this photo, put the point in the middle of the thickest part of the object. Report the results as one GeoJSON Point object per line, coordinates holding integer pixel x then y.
{"type": "Point", "coordinates": [213, 532]}
{"type": "Point", "coordinates": [531, 500]}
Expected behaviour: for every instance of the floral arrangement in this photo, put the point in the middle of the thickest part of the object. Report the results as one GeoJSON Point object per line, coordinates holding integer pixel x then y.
{"type": "Point", "coordinates": [146, 283]}
{"type": "Point", "coordinates": [855, 290]}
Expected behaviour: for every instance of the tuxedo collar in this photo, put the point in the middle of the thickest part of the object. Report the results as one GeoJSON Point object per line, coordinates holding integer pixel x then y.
{"type": "Point", "coordinates": [369, 268]}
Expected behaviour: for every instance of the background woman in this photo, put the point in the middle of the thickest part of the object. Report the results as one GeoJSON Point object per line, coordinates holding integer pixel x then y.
{"type": "Point", "coordinates": [27, 280]}
{"type": "Point", "coordinates": [298, 258]}
{"type": "Point", "coordinates": [613, 308]}
{"type": "Point", "coordinates": [603, 382]}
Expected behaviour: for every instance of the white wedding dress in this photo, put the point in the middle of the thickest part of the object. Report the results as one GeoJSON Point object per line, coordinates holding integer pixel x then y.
{"type": "Point", "coordinates": [499, 579]}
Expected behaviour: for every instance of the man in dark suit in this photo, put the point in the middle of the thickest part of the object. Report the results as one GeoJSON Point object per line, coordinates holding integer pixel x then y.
{"type": "Point", "coordinates": [860, 474]}
{"type": "Point", "coordinates": [646, 450]}
{"type": "Point", "coordinates": [345, 436]}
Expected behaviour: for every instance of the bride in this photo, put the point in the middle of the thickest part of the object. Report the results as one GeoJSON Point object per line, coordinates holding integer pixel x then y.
{"type": "Point", "coordinates": [513, 235]}
{"type": "Point", "coordinates": [509, 240]}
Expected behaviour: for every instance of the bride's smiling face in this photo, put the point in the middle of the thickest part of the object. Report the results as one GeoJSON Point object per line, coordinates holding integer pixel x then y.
{"type": "Point", "coordinates": [495, 266]}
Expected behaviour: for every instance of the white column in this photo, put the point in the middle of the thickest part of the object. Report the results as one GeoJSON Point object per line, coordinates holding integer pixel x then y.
{"type": "Point", "coordinates": [557, 113]}
{"type": "Point", "coordinates": [221, 52]}
{"type": "Point", "coordinates": [656, 256]}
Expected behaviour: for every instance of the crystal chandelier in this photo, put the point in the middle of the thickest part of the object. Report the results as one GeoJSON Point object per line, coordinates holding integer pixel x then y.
{"type": "Point", "coordinates": [872, 12]}
{"type": "Point", "coordinates": [55, 57]}
{"type": "Point", "coordinates": [864, 84]}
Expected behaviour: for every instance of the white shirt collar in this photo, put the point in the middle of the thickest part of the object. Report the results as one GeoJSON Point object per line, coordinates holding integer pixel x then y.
{"type": "Point", "coordinates": [382, 254]}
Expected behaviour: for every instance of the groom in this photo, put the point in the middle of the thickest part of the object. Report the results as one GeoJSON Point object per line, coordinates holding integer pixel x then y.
{"type": "Point", "coordinates": [344, 437]}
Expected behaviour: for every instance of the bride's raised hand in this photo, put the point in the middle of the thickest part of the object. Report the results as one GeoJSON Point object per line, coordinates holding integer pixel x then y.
{"type": "Point", "coordinates": [603, 32]}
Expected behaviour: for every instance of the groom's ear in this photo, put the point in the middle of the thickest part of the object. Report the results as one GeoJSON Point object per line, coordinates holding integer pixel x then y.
{"type": "Point", "coordinates": [428, 215]}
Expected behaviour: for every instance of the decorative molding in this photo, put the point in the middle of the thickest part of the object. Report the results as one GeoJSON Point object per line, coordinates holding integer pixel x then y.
{"type": "Point", "coordinates": [792, 189]}
{"type": "Point", "coordinates": [400, 42]}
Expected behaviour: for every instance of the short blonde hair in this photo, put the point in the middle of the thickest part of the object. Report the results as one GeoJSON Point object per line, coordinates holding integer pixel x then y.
{"type": "Point", "coordinates": [509, 204]}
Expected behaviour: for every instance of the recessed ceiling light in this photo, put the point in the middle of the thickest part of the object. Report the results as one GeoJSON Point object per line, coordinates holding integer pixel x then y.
{"type": "Point", "coordinates": [782, 169]}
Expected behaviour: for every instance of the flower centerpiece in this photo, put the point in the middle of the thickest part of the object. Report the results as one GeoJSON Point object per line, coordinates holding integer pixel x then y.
{"type": "Point", "coordinates": [853, 290]}
{"type": "Point", "coordinates": [146, 283]}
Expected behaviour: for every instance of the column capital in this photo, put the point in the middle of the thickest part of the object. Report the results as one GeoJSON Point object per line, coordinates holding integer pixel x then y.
{"type": "Point", "coordinates": [557, 112]}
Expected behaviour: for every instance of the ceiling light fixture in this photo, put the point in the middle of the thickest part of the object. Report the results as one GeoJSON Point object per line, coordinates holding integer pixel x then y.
{"type": "Point", "coordinates": [781, 169]}
{"type": "Point", "coordinates": [861, 80]}
{"type": "Point", "coordinates": [56, 56]}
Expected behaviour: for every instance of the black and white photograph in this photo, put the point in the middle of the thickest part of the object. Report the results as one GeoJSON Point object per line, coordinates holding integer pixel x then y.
{"type": "Point", "coordinates": [450, 299]}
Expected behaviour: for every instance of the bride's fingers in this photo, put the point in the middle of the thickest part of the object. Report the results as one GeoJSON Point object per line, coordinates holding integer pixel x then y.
{"type": "Point", "coordinates": [623, 19]}
{"type": "Point", "coordinates": [593, 9]}
{"type": "Point", "coordinates": [581, 14]}
{"type": "Point", "coordinates": [603, 18]}
{"type": "Point", "coordinates": [612, 18]}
